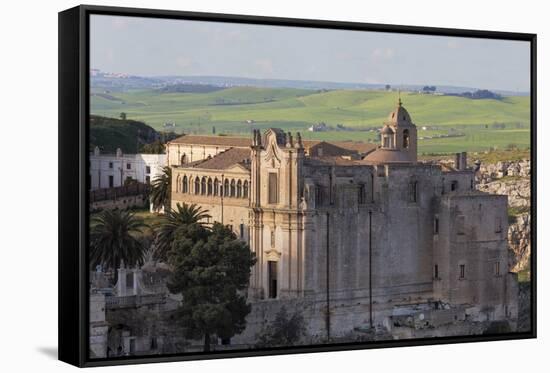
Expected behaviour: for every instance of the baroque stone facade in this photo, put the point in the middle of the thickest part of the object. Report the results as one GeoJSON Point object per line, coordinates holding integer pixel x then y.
{"type": "Point", "coordinates": [356, 235]}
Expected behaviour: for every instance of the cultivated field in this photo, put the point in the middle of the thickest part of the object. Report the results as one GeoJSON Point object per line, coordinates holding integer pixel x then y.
{"type": "Point", "coordinates": [477, 125]}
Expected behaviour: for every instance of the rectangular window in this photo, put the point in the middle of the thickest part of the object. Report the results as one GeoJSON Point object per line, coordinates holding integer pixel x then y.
{"type": "Point", "coordinates": [128, 166]}
{"type": "Point", "coordinates": [111, 181]}
{"type": "Point", "coordinates": [273, 188]}
{"type": "Point", "coordinates": [110, 164]}
{"type": "Point", "coordinates": [147, 169]}
{"type": "Point", "coordinates": [436, 225]}
{"type": "Point", "coordinates": [462, 271]}
{"type": "Point", "coordinates": [496, 268]}
{"type": "Point", "coordinates": [148, 179]}
{"type": "Point", "coordinates": [318, 196]}
{"type": "Point", "coordinates": [413, 191]}
{"type": "Point", "coordinates": [361, 192]}
{"type": "Point", "coordinates": [454, 185]}
{"type": "Point", "coordinates": [272, 281]}
{"type": "Point", "coordinates": [460, 225]}
{"type": "Point", "coordinates": [241, 230]}
{"type": "Point", "coordinates": [436, 272]}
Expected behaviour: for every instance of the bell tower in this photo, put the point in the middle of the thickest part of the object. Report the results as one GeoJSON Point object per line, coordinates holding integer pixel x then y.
{"type": "Point", "coordinates": [399, 132]}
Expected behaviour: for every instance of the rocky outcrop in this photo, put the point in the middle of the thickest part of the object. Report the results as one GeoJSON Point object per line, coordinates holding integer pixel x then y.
{"type": "Point", "coordinates": [518, 190]}
{"type": "Point", "coordinates": [512, 179]}
{"type": "Point", "coordinates": [519, 237]}
{"type": "Point", "coordinates": [494, 171]}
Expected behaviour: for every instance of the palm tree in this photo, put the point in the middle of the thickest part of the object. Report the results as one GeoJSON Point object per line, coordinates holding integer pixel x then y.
{"type": "Point", "coordinates": [113, 240]}
{"type": "Point", "coordinates": [183, 215]}
{"type": "Point", "coordinates": [161, 189]}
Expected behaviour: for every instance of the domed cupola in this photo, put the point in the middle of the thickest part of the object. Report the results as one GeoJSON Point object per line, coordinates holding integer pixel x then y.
{"type": "Point", "coordinates": [399, 117]}
{"type": "Point", "coordinates": [398, 139]}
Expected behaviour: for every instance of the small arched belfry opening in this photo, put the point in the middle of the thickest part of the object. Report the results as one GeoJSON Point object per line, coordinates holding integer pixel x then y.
{"type": "Point", "coordinates": [387, 135]}
{"type": "Point", "coordinates": [183, 159]}
{"type": "Point", "coordinates": [406, 139]}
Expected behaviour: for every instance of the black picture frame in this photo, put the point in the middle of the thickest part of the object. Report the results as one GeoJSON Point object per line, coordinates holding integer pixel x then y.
{"type": "Point", "coordinates": [74, 108]}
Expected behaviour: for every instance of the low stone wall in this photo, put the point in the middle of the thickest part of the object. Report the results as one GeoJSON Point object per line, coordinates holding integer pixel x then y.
{"type": "Point", "coordinates": [120, 203]}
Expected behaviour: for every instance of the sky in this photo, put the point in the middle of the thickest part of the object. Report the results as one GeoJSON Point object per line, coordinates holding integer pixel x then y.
{"type": "Point", "coordinates": [156, 47]}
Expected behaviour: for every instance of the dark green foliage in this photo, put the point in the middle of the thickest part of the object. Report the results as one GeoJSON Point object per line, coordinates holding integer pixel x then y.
{"type": "Point", "coordinates": [156, 147]}
{"type": "Point", "coordinates": [185, 219]}
{"type": "Point", "coordinates": [285, 330]}
{"type": "Point", "coordinates": [161, 189]}
{"type": "Point", "coordinates": [211, 269]}
{"type": "Point", "coordinates": [111, 133]}
{"type": "Point", "coordinates": [113, 239]}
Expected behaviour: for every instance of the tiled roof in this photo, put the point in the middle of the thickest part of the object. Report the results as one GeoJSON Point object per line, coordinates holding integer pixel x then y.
{"type": "Point", "coordinates": [359, 146]}
{"type": "Point", "coordinates": [226, 159]}
{"type": "Point", "coordinates": [245, 142]}
{"type": "Point", "coordinates": [326, 149]}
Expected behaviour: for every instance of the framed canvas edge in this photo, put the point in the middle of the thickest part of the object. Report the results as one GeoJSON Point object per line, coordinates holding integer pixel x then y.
{"type": "Point", "coordinates": [73, 105]}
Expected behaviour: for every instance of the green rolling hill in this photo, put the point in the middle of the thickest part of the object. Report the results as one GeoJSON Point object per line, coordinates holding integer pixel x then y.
{"type": "Point", "coordinates": [231, 110]}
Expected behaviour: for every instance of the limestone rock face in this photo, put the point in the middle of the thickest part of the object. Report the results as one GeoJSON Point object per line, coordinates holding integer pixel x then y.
{"type": "Point", "coordinates": [493, 171]}
{"type": "Point", "coordinates": [519, 236]}
{"type": "Point", "coordinates": [512, 179]}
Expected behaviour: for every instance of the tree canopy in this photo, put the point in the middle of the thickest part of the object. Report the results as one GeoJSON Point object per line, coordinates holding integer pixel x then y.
{"type": "Point", "coordinates": [113, 239]}
{"type": "Point", "coordinates": [161, 189]}
{"type": "Point", "coordinates": [185, 217]}
{"type": "Point", "coordinates": [211, 270]}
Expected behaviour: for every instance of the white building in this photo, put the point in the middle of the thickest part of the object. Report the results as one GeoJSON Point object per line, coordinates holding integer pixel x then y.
{"type": "Point", "coordinates": [111, 170]}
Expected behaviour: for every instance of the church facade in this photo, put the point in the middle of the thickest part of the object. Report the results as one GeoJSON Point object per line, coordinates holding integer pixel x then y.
{"type": "Point", "coordinates": [358, 235]}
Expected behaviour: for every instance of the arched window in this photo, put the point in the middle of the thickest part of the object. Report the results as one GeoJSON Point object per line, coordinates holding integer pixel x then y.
{"type": "Point", "coordinates": [216, 186]}
{"type": "Point", "coordinates": [233, 188]}
{"type": "Point", "coordinates": [184, 185]}
{"type": "Point", "coordinates": [183, 159]}
{"type": "Point", "coordinates": [386, 142]}
{"type": "Point", "coordinates": [226, 188]}
{"type": "Point", "coordinates": [406, 139]}
{"type": "Point", "coordinates": [239, 189]}
{"type": "Point", "coordinates": [245, 189]}
{"type": "Point", "coordinates": [197, 185]}
{"type": "Point", "coordinates": [209, 186]}
{"type": "Point", "coordinates": [203, 185]}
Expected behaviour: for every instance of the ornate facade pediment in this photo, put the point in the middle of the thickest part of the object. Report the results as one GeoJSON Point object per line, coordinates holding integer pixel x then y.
{"type": "Point", "coordinates": [273, 255]}
{"type": "Point", "coordinates": [272, 155]}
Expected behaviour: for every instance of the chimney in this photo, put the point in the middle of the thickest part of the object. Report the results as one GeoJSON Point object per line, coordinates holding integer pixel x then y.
{"type": "Point", "coordinates": [457, 161]}
{"type": "Point", "coordinates": [463, 160]}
